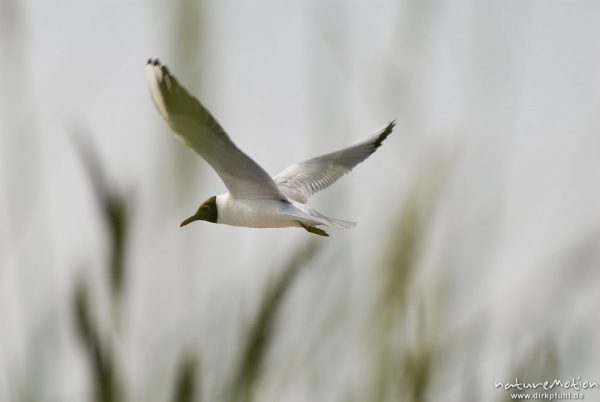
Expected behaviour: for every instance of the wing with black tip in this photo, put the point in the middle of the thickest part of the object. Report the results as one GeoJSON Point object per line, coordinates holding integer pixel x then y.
{"type": "Point", "coordinates": [193, 124]}
{"type": "Point", "coordinates": [300, 181]}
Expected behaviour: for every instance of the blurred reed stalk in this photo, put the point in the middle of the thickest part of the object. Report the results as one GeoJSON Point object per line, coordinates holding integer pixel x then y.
{"type": "Point", "coordinates": [189, 55]}
{"type": "Point", "coordinates": [186, 388]}
{"type": "Point", "coordinates": [99, 348]}
{"type": "Point", "coordinates": [264, 328]}
{"type": "Point", "coordinates": [405, 341]}
{"type": "Point", "coordinates": [112, 205]}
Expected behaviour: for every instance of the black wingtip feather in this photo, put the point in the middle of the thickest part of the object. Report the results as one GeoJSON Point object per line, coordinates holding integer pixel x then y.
{"type": "Point", "coordinates": [384, 134]}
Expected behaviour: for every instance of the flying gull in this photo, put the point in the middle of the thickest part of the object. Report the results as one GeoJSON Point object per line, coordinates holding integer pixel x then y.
{"type": "Point", "coordinates": [255, 199]}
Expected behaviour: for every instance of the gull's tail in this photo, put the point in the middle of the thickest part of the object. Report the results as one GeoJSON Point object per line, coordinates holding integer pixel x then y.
{"type": "Point", "coordinates": [336, 223]}
{"type": "Point", "coordinates": [312, 217]}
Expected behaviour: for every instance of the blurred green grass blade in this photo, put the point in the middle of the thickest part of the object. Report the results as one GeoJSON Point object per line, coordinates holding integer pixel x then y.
{"type": "Point", "coordinates": [114, 212]}
{"type": "Point", "coordinates": [263, 327]}
{"type": "Point", "coordinates": [99, 353]}
{"type": "Point", "coordinates": [186, 387]}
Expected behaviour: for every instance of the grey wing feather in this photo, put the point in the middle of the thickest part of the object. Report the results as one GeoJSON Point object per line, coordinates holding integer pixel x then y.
{"type": "Point", "coordinates": [193, 124]}
{"type": "Point", "coordinates": [300, 181]}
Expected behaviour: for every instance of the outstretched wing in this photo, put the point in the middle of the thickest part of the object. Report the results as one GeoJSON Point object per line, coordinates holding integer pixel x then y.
{"type": "Point", "coordinates": [195, 126]}
{"type": "Point", "coordinates": [299, 182]}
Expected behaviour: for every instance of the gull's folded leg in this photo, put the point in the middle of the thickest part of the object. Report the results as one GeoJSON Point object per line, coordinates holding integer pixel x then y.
{"type": "Point", "coordinates": [314, 229]}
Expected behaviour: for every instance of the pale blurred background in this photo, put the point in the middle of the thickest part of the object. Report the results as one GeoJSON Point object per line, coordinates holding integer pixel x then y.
{"type": "Point", "coordinates": [477, 254]}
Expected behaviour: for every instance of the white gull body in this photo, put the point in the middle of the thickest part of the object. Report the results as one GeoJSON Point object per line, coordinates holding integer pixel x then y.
{"type": "Point", "coordinates": [255, 199]}
{"type": "Point", "coordinates": [260, 213]}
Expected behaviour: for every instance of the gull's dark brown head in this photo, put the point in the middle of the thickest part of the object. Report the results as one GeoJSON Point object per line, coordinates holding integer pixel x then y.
{"type": "Point", "coordinates": [206, 212]}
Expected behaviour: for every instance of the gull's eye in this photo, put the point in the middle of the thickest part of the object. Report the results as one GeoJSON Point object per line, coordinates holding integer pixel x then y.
{"type": "Point", "coordinates": [205, 207]}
